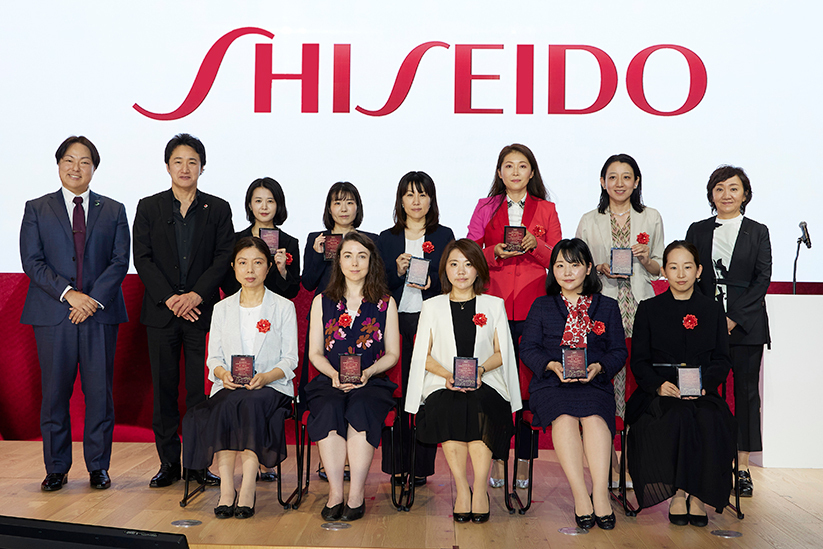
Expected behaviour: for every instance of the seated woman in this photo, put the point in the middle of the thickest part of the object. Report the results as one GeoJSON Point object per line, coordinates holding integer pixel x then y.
{"type": "Point", "coordinates": [573, 315]}
{"type": "Point", "coordinates": [679, 446]}
{"type": "Point", "coordinates": [245, 420]}
{"type": "Point", "coordinates": [473, 423]}
{"type": "Point", "coordinates": [354, 315]}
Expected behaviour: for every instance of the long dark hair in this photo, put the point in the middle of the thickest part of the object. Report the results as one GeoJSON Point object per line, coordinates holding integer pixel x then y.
{"type": "Point", "coordinates": [276, 191]}
{"type": "Point", "coordinates": [375, 285]}
{"type": "Point", "coordinates": [535, 187]}
{"type": "Point", "coordinates": [636, 198]}
{"type": "Point", "coordinates": [422, 183]}
{"type": "Point", "coordinates": [576, 250]}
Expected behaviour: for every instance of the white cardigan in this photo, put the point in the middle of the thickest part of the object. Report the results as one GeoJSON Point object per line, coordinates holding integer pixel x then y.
{"type": "Point", "coordinates": [595, 230]}
{"type": "Point", "coordinates": [276, 348]}
{"type": "Point", "coordinates": [436, 321]}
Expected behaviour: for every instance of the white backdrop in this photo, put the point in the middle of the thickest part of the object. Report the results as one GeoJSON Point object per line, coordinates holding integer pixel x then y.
{"type": "Point", "coordinates": [79, 68]}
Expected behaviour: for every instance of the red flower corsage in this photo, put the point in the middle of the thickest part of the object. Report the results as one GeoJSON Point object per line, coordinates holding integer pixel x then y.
{"type": "Point", "coordinates": [539, 231]}
{"type": "Point", "coordinates": [643, 238]}
{"type": "Point", "coordinates": [345, 320]}
{"type": "Point", "coordinates": [428, 247]}
{"type": "Point", "coordinates": [690, 321]}
{"type": "Point", "coordinates": [479, 319]}
{"type": "Point", "coordinates": [289, 258]}
{"type": "Point", "coordinates": [599, 328]}
{"type": "Point", "coordinates": [263, 326]}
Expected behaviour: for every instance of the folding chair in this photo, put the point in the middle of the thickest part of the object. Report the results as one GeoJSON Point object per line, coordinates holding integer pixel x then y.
{"type": "Point", "coordinates": [521, 417]}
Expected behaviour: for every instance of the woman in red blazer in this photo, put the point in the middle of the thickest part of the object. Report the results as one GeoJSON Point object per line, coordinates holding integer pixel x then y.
{"type": "Point", "coordinates": [517, 197]}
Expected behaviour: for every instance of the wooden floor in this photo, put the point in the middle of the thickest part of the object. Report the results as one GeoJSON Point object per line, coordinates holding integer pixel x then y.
{"type": "Point", "coordinates": [787, 510]}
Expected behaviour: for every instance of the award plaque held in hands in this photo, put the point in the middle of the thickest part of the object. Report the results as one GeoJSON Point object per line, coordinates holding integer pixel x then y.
{"type": "Point", "coordinates": [622, 262]}
{"type": "Point", "coordinates": [513, 238]}
{"type": "Point", "coordinates": [330, 246]}
{"type": "Point", "coordinates": [272, 238]}
{"type": "Point", "coordinates": [575, 363]}
{"type": "Point", "coordinates": [689, 381]}
{"type": "Point", "coordinates": [465, 372]}
{"type": "Point", "coordinates": [350, 371]}
{"type": "Point", "coordinates": [418, 272]}
{"type": "Point", "coordinates": [242, 369]}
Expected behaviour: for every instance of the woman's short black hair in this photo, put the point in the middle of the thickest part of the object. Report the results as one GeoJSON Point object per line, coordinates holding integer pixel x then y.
{"type": "Point", "coordinates": [724, 173]}
{"type": "Point", "coordinates": [691, 248]}
{"type": "Point", "coordinates": [252, 242]}
{"type": "Point", "coordinates": [340, 191]}
{"type": "Point", "coordinates": [279, 198]}
{"type": "Point", "coordinates": [573, 249]}
{"type": "Point", "coordinates": [636, 199]}
{"type": "Point", "coordinates": [422, 183]}
{"type": "Point", "coordinates": [471, 251]}
{"type": "Point", "coordinates": [83, 140]}
{"type": "Point", "coordinates": [188, 140]}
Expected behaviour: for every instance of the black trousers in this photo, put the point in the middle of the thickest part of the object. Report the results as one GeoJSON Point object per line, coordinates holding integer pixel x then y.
{"type": "Point", "coordinates": [165, 345]}
{"type": "Point", "coordinates": [746, 361]}
{"type": "Point", "coordinates": [425, 454]}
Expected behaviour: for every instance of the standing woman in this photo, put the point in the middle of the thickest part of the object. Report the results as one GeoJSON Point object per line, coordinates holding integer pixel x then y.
{"type": "Point", "coordinates": [266, 209]}
{"type": "Point", "coordinates": [622, 221]}
{"type": "Point", "coordinates": [354, 315]}
{"type": "Point", "coordinates": [574, 314]}
{"type": "Point", "coordinates": [245, 420]}
{"type": "Point", "coordinates": [416, 233]}
{"type": "Point", "coordinates": [738, 277]}
{"type": "Point", "coordinates": [470, 423]}
{"type": "Point", "coordinates": [680, 447]}
{"type": "Point", "coordinates": [517, 197]}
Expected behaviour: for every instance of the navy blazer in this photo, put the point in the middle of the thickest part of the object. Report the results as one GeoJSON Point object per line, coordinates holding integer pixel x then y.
{"type": "Point", "coordinates": [156, 258]}
{"type": "Point", "coordinates": [316, 270]}
{"type": "Point", "coordinates": [392, 245]}
{"type": "Point", "coordinates": [288, 287]}
{"type": "Point", "coordinates": [543, 332]}
{"type": "Point", "coordinates": [750, 274]}
{"type": "Point", "coordinates": [47, 253]}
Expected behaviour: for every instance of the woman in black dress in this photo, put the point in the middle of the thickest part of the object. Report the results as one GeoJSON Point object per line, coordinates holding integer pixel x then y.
{"type": "Point", "coordinates": [245, 420]}
{"type": "Point", "coordinates": [355, 315]}
{"type": "Point", "coordinates": [680, 448]}
{"type": "Point", "coordinates": [574, 315]}
{"type": "Point", "coordinates": [417, 232]}
{"type": "Point", "coordinates": [739, 253]}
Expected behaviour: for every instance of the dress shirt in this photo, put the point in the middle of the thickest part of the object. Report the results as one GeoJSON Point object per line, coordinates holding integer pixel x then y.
{"type": "Point", "coordinates": [184, 229]}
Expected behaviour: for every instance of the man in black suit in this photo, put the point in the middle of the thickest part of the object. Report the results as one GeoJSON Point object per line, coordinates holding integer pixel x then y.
{"type": "Point", "coordinates": [74, 245]}
{"type": "Point", "coordinates": [183, 239]}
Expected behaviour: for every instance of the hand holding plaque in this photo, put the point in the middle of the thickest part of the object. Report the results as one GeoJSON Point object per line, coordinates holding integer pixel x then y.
{"type": "Point", "coordinates": [465, 372]}
{"type": "Point", "coordinates": [575, 363]}
{"type": "Point", "coordinates": [622, 262]}
{"type": "Point", "coordinates": [330, 246]}
{"type": "Point", "coordinates": [513, 236]}
{"type": "Point", "coordinates": [350, 369]}
{"type": "Point", "coordinates": [272, 239]}
{"type": "Point", "coordinates": [242, 369]}
{"type": "Point", "coordinates": [418, 271]}
{"type": "Point", "coordinates": [689, 381]}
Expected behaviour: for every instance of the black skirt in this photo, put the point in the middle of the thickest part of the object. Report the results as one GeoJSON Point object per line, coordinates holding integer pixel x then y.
{"type": "Point", "coordinates": [465, 417]}
{"type": "Point", "coordinates": [237, 420]}
{"type": "Point", "coordinates": [683, 444]}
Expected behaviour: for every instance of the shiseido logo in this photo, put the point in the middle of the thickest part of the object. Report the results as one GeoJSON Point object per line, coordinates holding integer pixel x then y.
{"type": "Point", "coordinates": [463, 77]}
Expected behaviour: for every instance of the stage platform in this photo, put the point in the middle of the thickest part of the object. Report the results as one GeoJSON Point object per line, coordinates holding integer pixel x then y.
{"type": "Point", "coordinates": [786, 510]}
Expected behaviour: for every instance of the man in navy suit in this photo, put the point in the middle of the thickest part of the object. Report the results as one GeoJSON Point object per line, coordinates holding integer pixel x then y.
{"type": "Point", "coordinates": [74, 245]}
{"type": "Point", "coordinates": [183, 240]}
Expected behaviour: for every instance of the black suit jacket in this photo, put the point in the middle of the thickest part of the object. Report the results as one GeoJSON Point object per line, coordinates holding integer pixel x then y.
{"type": "Point", "coordinates": [156, 258]}
{"type": "Point", "coordinates": [750, 274]}
{"type": "Point", "coordinates": [288, 287]}
{"type": "Point", "coordinates": [392, 245]}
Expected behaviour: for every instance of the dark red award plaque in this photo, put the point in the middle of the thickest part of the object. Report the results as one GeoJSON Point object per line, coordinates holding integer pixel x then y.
{"type": "Point", "coordinates": [272, 238]}
{"type": "Point", "coordinates": [331, 245]}
{"type": "Point", "coordinates": [465, 372]}
{"type": "Point", "coordinates": [242, 369]}
{"type": "Point", "coordinates": [513, 237]}
{"type": "Point", "coordinates": [575, 364]}
{"type": "Point", "coordinates": [350, 371]}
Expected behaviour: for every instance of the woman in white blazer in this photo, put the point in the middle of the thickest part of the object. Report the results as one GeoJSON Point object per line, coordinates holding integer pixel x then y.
{"type": "Point", "coordinates": [245, 420]}
{"type": "Point", "coordinates": [465, 323]}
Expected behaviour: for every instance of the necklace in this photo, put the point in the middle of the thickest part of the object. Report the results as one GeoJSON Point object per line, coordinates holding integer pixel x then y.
{"type": "Point", "coordinates": [620, 214]}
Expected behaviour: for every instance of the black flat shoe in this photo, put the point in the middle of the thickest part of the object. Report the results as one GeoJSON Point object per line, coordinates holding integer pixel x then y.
{"type": "Point", "coordinates": [585, 522]}
{"type": "Point", "coordinates": [99, 479]}
{"type": "Point", "coordinates": [246, 512]}
{"type": "Point", "coordinates": [350, 514]}
{"type": "Point", "coordinates": [420, 481]}
{"type": "Point", "coordinates": [267, 476]}
{"type": "Point", "coordinates": [225, 511]}
{"type": "Point", "coordinates": [680, 520]}
{"type": "Point", "coordinates": [479, 518]}
{"type": "Point", "coordinates": [54, 481]}
{"type": "Point", "coordinates": [744, 481]}
{"type": "Point", "coordinates": [332, 513]}
{"type": "Point", "coordinates": [696, 520]}
{"type": "Point", "coordinates": [606, 522]}
{"type": "Point", "coordinates": [168, 474]}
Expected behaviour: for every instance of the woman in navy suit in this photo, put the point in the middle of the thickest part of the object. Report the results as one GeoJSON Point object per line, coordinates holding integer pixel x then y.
{"type": "Point", "coordinates": [572, 315]}
{"type": "Point", "coordinates": [416, 233]}
{"type": "Point", "coordinates": [738, 255]}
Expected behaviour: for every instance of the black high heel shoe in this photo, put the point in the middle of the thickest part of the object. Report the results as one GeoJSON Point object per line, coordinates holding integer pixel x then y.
{"type": "Point", "coordinates": [478, 518]}
{"type": "Point", "coordinates": [585, 522]}
{"type": "Point", "coordinates": [606, 522]}
{"type": "Point", "coordinates": [464, 517]}
{"type": "Point", "coordinates": [246, 512]}
{"type": "Point", "coordinates": [225, 511]}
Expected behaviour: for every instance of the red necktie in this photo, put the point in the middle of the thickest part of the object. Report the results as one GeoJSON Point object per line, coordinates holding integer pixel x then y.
{"type": "Point", "coordinates": [79, 229]}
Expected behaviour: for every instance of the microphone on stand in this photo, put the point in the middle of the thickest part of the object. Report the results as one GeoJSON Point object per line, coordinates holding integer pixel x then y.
{"type": "Point", "coordinates": [805, 239]}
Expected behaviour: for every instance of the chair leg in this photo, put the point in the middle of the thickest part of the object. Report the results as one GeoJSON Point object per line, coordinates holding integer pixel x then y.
{"type": "Point", "coordinates": [736, 471]}
{"type": "Point", "coordinates": [189, 495]}
{"type": "Point", "coordinates": [412, 478]}
{"type": "Point", "coordinates": [509, 495]}
{"type": "Point", "coordinates": [622, 492]}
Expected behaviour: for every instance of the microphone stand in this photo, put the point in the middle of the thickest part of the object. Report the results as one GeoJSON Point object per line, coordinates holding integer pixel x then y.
{"type": "Point", "coordinates": [794, 272]}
